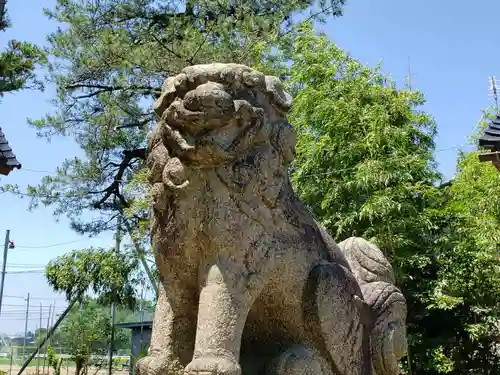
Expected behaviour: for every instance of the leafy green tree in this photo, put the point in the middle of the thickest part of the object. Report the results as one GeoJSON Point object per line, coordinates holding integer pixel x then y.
{"type": "Point", "coordinates": [365, 167]}
{"type": "Point", "coordinates": [365, 149]}
{"type": "Point", "coordinates": [465, 292]}
{"type": "Point", "coordinates": [110, 275]}
{"type": "Point", "coordinates": [86, 333]}
{"type": "Point", "coordinates": [108, 64]}
{"type": "Point", "coordinates": [40, 334]}
{"type": "Point", "coordinates": [365, 162]}
{"type": "Point", "coordinates": [54, 361]}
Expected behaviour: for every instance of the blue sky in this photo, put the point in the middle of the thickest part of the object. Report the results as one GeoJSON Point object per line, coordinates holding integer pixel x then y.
{"type": "Point", "coordinates": [452, 49]}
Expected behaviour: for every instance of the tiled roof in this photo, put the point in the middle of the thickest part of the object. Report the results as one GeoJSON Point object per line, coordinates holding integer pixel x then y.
{"type": "Point", "coordinates": [491, 136]}
{"type": "Point", "coordinates": [8, 160]}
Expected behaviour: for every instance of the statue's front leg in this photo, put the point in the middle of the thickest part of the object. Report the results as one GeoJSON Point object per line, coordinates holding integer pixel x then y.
{"type": "Point", "coordinates": [225, 301]}
{"type": "Point", "coordinates": [172, 341]}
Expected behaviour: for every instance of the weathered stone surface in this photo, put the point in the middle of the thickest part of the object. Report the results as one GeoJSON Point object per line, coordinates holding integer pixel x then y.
{"type": "Point", "coordinates": [387, 304]}
{"type": "Point", "coordinates": [250, 282]}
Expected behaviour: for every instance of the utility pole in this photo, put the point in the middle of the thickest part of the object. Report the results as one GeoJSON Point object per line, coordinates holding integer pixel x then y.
{"type": "Point", "coordinates": [5, 251]}
{"type": "Point", "coordinates": [113, 305]}
{"type": "Point", "coordinates": [48, 342]}
{"type": "Point", "coordinates": [142, 257]}
{"type": "Point", "coordinates": [409, 74]}
{"type": "Point", "coordinates": [52, 321]}
{"type": "Point", "coordinates": [26, 324]}
{"type": "Point", "coordinates": [38, 357]}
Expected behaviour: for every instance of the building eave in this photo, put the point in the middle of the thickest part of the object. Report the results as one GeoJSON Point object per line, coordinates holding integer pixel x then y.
{"type": "Point", "coordinates": [8, 160]}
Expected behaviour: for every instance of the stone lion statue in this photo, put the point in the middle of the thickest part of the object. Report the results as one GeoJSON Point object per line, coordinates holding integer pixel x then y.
{"type": "Point", "coordinates": [250, 283]}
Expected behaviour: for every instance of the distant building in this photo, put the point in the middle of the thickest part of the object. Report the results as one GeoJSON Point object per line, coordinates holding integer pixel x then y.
{"type": "Point", "coordinates": [490, 140]}
{"type": "Point", "coordinates": [8, 160]}
{"type": "Point", "coordinates": [141, 336]}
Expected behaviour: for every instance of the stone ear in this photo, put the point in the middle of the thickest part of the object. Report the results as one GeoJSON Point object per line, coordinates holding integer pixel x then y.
{"type": "Point", "coordinates": [279, 97]}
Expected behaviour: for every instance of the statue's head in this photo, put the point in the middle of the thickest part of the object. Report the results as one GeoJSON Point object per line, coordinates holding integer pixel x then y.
{"type": "Point", "coordinates": [221, 116]}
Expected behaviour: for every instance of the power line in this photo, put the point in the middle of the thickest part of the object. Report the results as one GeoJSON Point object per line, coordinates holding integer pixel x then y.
{"type": "Point", "coordinates": [17, 305]}
{"type": "Point", "coordinates": [24, 272]}
{"type": "Point", "coordinates": [85, 194]}
{"type": "Point", "coordinates": [37, 298]}
{"type": "Point", "coordinates": [31, 313]}
{"type": "Point", "coordinates": [76, 195]}
{"type": "Point", "coordinates": [51, 245]}
{"type": "Point", "coordinates": [34, 312]}
{"type": "Point", "coordinates": [23, 265]}
{"type": "Point", "coordinates": [37, 170]}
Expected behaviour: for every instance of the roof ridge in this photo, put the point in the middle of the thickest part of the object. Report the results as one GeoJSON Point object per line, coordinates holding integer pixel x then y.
{"type": "Point", "coordinates": [8, 160]}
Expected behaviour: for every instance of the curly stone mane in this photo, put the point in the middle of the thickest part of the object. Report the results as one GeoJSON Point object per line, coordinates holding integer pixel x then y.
{"type": "Point", "coordinates": [215, 118]}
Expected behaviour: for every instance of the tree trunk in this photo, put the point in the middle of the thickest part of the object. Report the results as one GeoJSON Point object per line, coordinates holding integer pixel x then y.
{"type": "Point", "coordinates": [79, 366]}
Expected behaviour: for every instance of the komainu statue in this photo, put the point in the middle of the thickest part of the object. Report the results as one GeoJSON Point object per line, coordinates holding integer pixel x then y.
{"type": "Point", "coordinates": [250, 283]}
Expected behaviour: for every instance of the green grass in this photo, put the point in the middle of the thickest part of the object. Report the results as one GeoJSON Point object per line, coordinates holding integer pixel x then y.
{"type": "Point", "coordinates": [6, 362]}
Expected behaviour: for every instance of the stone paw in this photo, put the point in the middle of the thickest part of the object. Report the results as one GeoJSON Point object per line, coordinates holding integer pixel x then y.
{"type": "Point", "coordinates": [156, 365]}
{"type": "Point", "coordinates": [213, 365]}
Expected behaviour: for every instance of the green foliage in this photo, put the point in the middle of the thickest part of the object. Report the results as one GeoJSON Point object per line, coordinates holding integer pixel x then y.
{"type": "Point", "coordinates": [18, 61]}
{"type": "Point", "coordinates": [86, 333]}
{"type": "Point", "coordinates": [17, 67]}
{"type": "Point", "coordinates": [54, 361]}
{"type": "Point", "coordinates": [364, 154]}
{"type": "Point", "coordinates": [365, 167]}
{"type": "Point", "coordinates": [110, 275]}
{"type": "Point", "coordinates": [108, 64]}
{"type": "Point", "coordinates": [364, 164]}
{"type": "Point", "coordinates": [467, 266]}
{"type": "Point", "coordinates": [40, 333]}
{"type": "Point", "coordinates": [87, 312]}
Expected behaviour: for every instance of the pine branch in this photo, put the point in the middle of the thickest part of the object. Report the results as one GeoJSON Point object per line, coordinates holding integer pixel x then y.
{"type": "Point", "coordinates": [114, 189]}
{"type": "Point", "coordinates": [105, 88]}
{"type": "Point", "coordinates": [139, 124]}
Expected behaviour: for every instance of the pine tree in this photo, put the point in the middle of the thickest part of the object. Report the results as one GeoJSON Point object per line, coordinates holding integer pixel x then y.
{"type": "Point", "coordinates": [18, 61]}
{"type": "Point", "coordinates": [108, 62]}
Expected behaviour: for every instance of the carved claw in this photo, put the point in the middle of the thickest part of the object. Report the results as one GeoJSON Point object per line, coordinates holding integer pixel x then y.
{"type": "Point", "coordinates": [170, 185]}
{"type": "Point", "coordinates": [213, 365]}
{"type": "Point", "coordinates": [156, 365]}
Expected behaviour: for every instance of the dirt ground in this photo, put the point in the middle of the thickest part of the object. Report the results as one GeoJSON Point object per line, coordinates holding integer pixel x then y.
{"type": "Point", "coordinates": [71, 371]}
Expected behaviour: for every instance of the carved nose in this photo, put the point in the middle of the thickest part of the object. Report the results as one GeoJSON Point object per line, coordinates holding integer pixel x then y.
{"type": "Point", "coordinates": [210, 98]}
